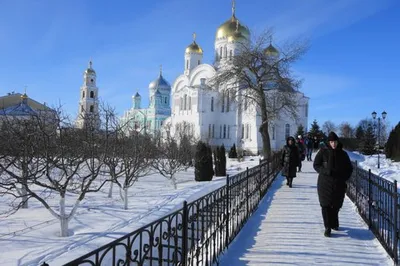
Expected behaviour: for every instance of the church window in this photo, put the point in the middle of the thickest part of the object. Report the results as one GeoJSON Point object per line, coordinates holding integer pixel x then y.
{"type": "Point", "coordinates": [190, 103]}
{"type": "Point", "coordinates": [91, 80]}
{"type": "Point", "coordinates": [226, 52]}
{"type": "Point", "coordinates": [202, 81]}
{"type": "Point", "coordinates": [83, 94]}
{"type": "Point", "coordinates": [287, 130]}
{"type": "Point", "coordinates": [227, 101]}
{"type": "Point", "coordinates": [242, 131]}
{"type": "Point", "coordinates": [224, 131]}
{"type": "Point", "coordinates": [185, 102]}
{"type": "Point", "coordinates": [220, 52]}
{"type": "Point", "coordinates": [165, 99]}
{"type": "Point", "coordinates": [209, 131]}
{"type": "Point", "coordinates": [81, 108]}
{"type": "Point", "coordinates": [213, 130]}
{"type": "Point", "coordinates": [273, 132]}
{"type": "Point", "coordinates": [229, 130]}
{"type": "Point", "coordinates": [92, 94]}
{"type": "Point", "coordinates": [223, 102]}
{"type": "Point", "coordinates": [181, 105]}
{"type": "Point", "coordinates": [212, 104]}
{"type": "Point", "coordinates": [187, 64]}
{"type": "Point", "coordinates": [91, 108]}
{"type": "Point", "coordinates": [220, 131]}
{"type": "Point", "coordinates": [198, 62]}
{"type": "Point", "coordinates": [247, 131]}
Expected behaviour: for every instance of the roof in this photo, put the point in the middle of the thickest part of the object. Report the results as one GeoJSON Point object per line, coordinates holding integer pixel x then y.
{"type": "Point", "coordinates": [15, 99]}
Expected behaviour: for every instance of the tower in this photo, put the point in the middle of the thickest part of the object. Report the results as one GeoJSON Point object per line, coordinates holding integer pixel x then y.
{"type": "Point", "coordinates": [193, 55]}
{"type": "Point", "coordinates": [136, 101]}
{"type": "Point", "coordinates": [88, 113]}
{"type": "Point", "coordinates": [229, 38]}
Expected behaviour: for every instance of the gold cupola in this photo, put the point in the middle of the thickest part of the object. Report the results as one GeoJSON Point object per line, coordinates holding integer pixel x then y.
{"type": "Point", "coordinates": [271, 50]}
{"type": "Point", "coordinates": [90, 69]}
{"type": "Point", "coordinates": [232, 29]}
{"type": "Point", "coordinates": [194, 47]}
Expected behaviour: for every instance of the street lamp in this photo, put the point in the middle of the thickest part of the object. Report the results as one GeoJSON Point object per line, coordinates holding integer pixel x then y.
{"type": "Point", "coordinates": [379, 132]}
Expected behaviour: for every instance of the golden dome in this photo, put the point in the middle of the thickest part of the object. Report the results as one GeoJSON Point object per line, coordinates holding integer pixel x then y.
{"type": "Point", "coordinates": [194, 48]}
{"type": "Point", "coordinates": [90, 70]}
{"type": "Point", "coordinates": [271, 51]}
{"type": "Point", "coordinates": [232, 28]}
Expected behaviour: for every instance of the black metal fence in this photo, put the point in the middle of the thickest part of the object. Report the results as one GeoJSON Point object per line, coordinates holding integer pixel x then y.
{"type": "Point", "coordinates": [197, 233]}
{"type": "Point", "coordinates": [377, 201]}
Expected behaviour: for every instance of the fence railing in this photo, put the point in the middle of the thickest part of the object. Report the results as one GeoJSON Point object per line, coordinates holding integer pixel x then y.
{"type": "Point", "coordinates": [197, 233]}
{"type": "Point", "coordinates": [377, 201]}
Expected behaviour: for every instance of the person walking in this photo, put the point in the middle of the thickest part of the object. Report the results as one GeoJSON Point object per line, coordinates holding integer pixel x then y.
{"type": "Point", "coordinates": [302, 150]}
{"type": "Point", "coordinates": [334, 168]}
{"type": "Point", "coordinates": [309, 148]}
{"type": "Point", "coordinates": [290, 160]}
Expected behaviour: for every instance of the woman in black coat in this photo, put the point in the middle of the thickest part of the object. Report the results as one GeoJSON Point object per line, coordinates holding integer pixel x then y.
{"type": "Point", "coordinates": [334, 168]}
{"type": "Point", "coordinates": [290, 160]}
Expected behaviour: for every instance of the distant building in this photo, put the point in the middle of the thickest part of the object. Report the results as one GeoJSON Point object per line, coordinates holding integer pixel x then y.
{"type": "Point", "coordinates": [149, 120]}
{"type": "Point", "coordinates": [88, 113]}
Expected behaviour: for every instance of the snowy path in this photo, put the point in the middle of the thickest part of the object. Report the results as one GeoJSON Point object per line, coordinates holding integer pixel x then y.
{"type": "Point", "coordinates": [287, 229]}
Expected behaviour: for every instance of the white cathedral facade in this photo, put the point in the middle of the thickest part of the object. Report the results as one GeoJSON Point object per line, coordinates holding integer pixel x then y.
{"type": "Point", "coordinates": [213, 117]}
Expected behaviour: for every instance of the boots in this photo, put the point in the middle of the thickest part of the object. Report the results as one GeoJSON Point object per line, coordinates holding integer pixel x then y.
{"type": "Point", "coordinates": [290, 181]}
{"type": "Point", "coordinates": [327, 232]}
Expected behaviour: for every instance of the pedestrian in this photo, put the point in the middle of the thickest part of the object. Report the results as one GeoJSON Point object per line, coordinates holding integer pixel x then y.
{"type": "Point", "coordinates": [334, 168]}
{"type": "Point", "coordinates": [309, 148]}
{"type": "Point", "coordinates": [302, 150]}
{"type": "Point", "coordinates": [290, 160]}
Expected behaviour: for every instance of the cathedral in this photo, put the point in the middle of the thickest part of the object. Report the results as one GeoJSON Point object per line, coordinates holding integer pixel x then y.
{"type": "Point", "coordinates": [213, 117]}
{"type": "Point", "coordinates": [207, 112]}
{"type": "Point", "coordinates": [149, 120]}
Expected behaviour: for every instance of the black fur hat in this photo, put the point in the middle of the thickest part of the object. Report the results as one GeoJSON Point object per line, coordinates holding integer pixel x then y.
{"type": "Point", "coordinates": [333, 137]}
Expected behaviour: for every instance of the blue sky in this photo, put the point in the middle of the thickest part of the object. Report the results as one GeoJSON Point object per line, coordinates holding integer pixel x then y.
{"type": "Point", "coordinates": [350, 70]}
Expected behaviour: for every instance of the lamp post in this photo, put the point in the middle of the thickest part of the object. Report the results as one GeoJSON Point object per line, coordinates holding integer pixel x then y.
{"type": "Point", "coordinates": [379, 132]}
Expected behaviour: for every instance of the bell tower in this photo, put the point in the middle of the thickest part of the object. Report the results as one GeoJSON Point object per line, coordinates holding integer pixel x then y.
{"type": "Point", "coordinates": [88, 113]}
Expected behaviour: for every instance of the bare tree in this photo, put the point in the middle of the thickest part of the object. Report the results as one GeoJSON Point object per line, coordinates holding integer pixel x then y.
{"type": "Point", "coordinates": [328, 126]}
{"type": "Point", "coordinates": [346, 130]}
{"type": "Point", "coordinates": [255, 77]}
{"type": "Point", "coordinates": [175, 154]}
{"type": "Point", "coordinates": [67, 163]}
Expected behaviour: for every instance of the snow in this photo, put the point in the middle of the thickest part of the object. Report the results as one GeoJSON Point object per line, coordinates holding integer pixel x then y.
{"type": "Point", "coordinates": [287, 227]}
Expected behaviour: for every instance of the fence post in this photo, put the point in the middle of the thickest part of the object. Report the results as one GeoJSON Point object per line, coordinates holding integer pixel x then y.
{"type": "Point", "coordinates": [227, 211]}
{"type": "Point", "coordinates": [395, 229]}
{"type": "Point", "coordinates": [356, 183]}
{"type": "Point", "coordinates": [260, 183]}
{"type": "Point", "coordinates": [247, 192]}
{"type": "Point", "coordinates": [184, 233]}
{"type": "Point", "coordinates": [369, 199]}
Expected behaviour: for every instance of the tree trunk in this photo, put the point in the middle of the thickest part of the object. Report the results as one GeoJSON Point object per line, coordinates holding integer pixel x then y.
{"type": "Point", "coordinates": [265, 139]}
{"type": "Point", "coordinates": [173, 180]}
{"type": "Point", "coordinates": [125, 198]}
{"type": "Point", "coordinates": [24, 186]}
{"type": "Point", "coordinates": [63, 219]}
{"type": "Point", "coordinates": [110, 190]}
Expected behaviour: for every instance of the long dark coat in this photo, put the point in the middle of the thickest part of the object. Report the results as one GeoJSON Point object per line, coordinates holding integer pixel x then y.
{"type": "Point", "coordinates": [290, 160]}
{"type": "Point", "coordinates": [334, 169]}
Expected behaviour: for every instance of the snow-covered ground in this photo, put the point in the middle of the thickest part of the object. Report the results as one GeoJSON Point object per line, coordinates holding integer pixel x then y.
{"type": "Point", "coordinates": [287, 229]}
{"type": "Point", "coordinates": [30, 236]}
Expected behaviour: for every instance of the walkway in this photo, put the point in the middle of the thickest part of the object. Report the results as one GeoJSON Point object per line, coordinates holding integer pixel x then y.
{"type": "Point", "coordinates": [287, 229]}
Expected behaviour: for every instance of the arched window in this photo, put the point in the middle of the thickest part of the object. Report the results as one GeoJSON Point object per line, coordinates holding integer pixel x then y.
{"type": "Point", "coordinates": [227, 101]}
{"type": "Point", "coordinates": [92, 94]}
{"type": "Point", "coordinates": [190, 103]}
{"type": "Point", "coordinates": [212, 104]}
{"type": "Point", "coordinates": [187, 64]}
{"type": "Point", "coordinates": [247, 130]}
{"type": "Point", "coordinates": [224, 132]}
{"type": "Point", "coordinates": [223, 102]}
{"type": "Point", "coordinates": [220, 52]}
{"type": "Point", "coordinates": [185, 102]}
{"type": "Point", "coordinates": [287, 130]}
{"type": "Point", "coordinates": [273, 132]}
{"type": "Point", "coordinates": [242, 131]}
{"type": "Point", "coordinates": [198, 62]}
{"type": "Point", "coordinates": [213, 130]}
{"type": "Point", "coordinates": [91, 108]}
{"type": "Point", "coordinates": [83, 94]}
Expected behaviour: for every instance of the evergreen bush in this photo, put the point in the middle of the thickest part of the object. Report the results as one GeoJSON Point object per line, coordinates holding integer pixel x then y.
{"type": "Point", "coordinates": [203, 162]}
